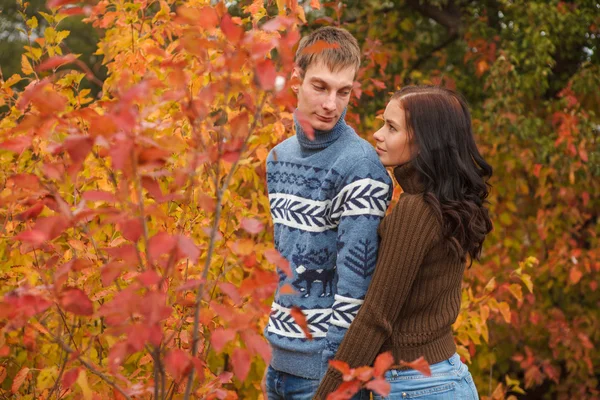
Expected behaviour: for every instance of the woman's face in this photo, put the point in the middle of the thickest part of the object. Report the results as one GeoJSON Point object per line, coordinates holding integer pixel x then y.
{"type": "Point", "coordinates": [394, 144]}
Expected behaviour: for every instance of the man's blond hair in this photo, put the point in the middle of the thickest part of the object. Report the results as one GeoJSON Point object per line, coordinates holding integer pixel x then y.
{"type": "Point", "coordinates": [346, 52]}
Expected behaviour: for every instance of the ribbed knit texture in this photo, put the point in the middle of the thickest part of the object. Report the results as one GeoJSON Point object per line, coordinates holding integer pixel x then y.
{"type": "Point", "coordinates": [327, 198]}
{"type": "Point", "coordinates": [415, 293]}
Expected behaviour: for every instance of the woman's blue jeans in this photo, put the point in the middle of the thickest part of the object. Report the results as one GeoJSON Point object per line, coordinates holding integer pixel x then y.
{"type": "Point", "coordinates": [450, 379]}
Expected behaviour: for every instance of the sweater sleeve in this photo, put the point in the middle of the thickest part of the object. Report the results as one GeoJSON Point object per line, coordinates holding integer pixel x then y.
{"type": "Point", "coordinates": [359, 207]}
{"type": "Point", "coordinates": [407, 234]}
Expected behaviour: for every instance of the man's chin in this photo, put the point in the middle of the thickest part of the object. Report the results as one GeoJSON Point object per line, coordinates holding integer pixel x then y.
{"type": "Point", "coordinates": [323, 126]}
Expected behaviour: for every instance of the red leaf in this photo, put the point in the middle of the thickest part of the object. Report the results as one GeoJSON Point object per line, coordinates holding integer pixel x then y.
{"type": "Point", "coordinates": [240, 360]}
{"type": "Point", "coordinates": [149, 278]}
{"type": "Point", "coordinates": [275, 258]}
{"type": "Point", "coordinates": [111, 271]}
{"type": "Point", "coordinates": [31, 212]}
{"type": "Point", "coordinates": [161, 243]}
{"type": "Point", "coordinates": [19, 379]}
{"type": "Point", "coordinates": [132, 229]}
{"type": "Point", "coordinates": [379, 386]}
{"type": "Point", "coordinates": [319, 46]}
{"type": "Point", "coordinates": [76, 301]}
{"type": "Point", "coordinates": [117, 355]}
{"type": "Point", "coordinates": [69, 378]}
{"type": "Point", "coordinates": [252, 225]}
{"type": "Point", "coordinates": [230, 290]}
{"type": "Point", "coordinates": [188, 248]}
{"type": "Point", "coordinates": [153, 188]}
{"type": "Point", "coordinates": [32, 236]}
{"type": "Point", "coordinates": [52, 226]}
{"type": "Point", "coordinates": [99, 195]}
{"type": "Point", "coordinates": [178, 363]}
{"type": "Point", "coordinates": [59, 3]}
{"type": "Point", "coordinates": [56, 61]}
{"type": "Point", "coordinates": [345, 391]}
{"type": "Point", "coordinates": [383, 362]}
{"type": "Point", "coordinates": [266, 74]}
{"type": "Point", "coordinates": [300, 319]}
{"type": "Point", "coordinates": [257, 344]}
{"type": "Point", "coordinates": [305, 124]}
{"type": "Point", "coordinates": [220, 337]}
{"type": "Point", "coordinates": [127, 253]}
{"type": "Point", "coordinates": [341, 366]}
{"type": "Point", "coordinates": [420, 364]}
{"type": "Point", "coordinates": [232, 32]}
{"type": "Point", "coordinates": [17, 144]}
{"type": "Point", "coordinates": [78, 147]}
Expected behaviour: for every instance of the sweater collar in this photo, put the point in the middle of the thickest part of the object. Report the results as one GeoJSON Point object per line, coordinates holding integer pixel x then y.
{"type": "Point", "coordinates": [408, 178]}
{"type": "Point", "coordinates": [322, 138]}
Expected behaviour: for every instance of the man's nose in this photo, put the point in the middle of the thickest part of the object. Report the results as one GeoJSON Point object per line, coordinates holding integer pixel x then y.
{"type": "Point", "coordinates": [329, 103]}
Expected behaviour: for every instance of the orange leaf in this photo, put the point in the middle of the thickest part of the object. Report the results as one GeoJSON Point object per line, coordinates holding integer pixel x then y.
{"type": "Point", "coordinates": [274, 257]}
{"type": "Point", "coordinates": [379, 386]}
{"type": "Point", "coordinates": [55, 62]}
{"type": "Point", "coordinates": [319, 46]}
{"type": "Point", "coordinates": [17, 144]}
{"type": "Point", "coordinates": [232, 32]}
{"type": "Point", "coordinates": [240, 360]}
{"type": "Point", "coordinates": [341, 366]}
{"type": "Point", "coordinates": [220, 337]}
{"type": "Point", "coordinates": [420, 364]}
{"type": "Point", "coordinates": [266, 74]}
{"type": "Point", "coordinates": [19, 379]}
{"type": "Point", "coordinates": [575, 275]}
{"type": "Point", "coordinates": [252, 225]}
{"type": "Point", "coordinates": [305, 124]}
{"type": "Point", "coordinates": [383, 362]}
{"type": "Point", "coordinates": [300, 319]}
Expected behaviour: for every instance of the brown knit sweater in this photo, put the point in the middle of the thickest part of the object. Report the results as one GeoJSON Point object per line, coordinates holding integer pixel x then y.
{"type": "Point", "coordinates": [415, 294]}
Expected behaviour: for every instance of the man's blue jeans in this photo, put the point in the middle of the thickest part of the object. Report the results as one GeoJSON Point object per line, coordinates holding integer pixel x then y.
{"type": "Point", "coordinates": [283, 386]}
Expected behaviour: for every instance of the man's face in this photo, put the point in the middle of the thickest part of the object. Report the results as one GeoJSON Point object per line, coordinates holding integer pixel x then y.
{"type": "Point", "coordinates": [323, 94]}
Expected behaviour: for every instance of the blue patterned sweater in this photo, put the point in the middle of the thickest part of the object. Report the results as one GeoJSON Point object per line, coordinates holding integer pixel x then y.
{"type": "Point", "coordinates": [327, 198]}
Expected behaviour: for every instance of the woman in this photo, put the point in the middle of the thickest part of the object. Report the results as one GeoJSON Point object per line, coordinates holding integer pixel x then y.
{"type": "Point", "coordinates": [438, 225]}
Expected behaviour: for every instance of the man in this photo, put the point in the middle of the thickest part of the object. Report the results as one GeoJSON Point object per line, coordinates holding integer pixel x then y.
{"type": "Point", "coordinates": [327, 197]}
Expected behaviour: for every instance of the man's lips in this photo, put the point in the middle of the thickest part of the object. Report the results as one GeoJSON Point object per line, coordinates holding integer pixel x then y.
{"type": "Point", "coordinates": [324, 119]}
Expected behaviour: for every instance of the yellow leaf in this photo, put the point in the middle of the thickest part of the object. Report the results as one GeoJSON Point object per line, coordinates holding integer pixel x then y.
{"type": "Point", "coordinates": [505, 311]}
{"type": "Point", "coordinates": [527, 281]}
{"type": "Point", "coordinates": [32, 22]}
{"type": "Point", "coordinates": [82, 381]}
{"type": "Point", "coordinates": [491, 285]}
{"type": "Point", "coordinates": [516, 291]}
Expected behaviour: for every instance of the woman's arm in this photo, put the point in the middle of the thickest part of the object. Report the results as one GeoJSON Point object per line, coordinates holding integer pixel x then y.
{"type": "Point", "coordinates": [406, 236]}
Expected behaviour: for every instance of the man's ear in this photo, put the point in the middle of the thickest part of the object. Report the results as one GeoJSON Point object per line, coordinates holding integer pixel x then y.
{"type": "Point", "coordinates": [296, 80]}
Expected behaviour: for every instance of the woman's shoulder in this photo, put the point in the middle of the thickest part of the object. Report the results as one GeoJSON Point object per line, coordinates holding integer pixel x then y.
{"type": "Point", "coordinates": [410, 212]}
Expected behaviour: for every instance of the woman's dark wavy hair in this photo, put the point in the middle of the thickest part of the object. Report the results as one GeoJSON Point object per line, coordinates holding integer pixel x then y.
{"type": "Point", "coordinates": [454, 174]}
